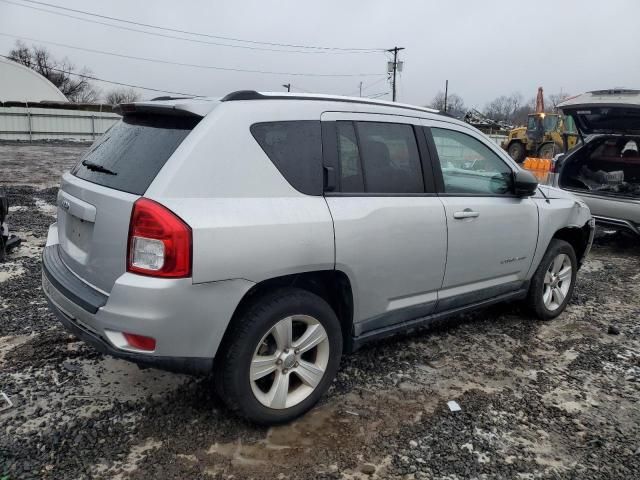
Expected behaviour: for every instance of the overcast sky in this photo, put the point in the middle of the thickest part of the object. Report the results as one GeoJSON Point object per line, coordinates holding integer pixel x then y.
{"type": "Point", "coordinates": [485, 49]}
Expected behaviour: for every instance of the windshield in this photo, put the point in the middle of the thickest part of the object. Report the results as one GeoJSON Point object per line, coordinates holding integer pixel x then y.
{"type": "Point", "coordinates": [131, 153]}
{"type": "Point", "coordinates": [550, 123]}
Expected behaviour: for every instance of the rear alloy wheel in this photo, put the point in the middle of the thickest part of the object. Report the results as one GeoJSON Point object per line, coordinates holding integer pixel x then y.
{"type": "Point", "coordinates": [552, 285]}
{"type": "Point", "coordinates": [280, 356]}
{"type": "Point", "coordinates": [289, 362]}
{"type": "Point", "coordinates": [516, 151]}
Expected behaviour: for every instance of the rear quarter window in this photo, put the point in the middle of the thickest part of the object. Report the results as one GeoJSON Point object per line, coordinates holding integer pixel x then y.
{"type": "Point", "coordinates": [132, 152]}
{"type": "Point", "coordinates": [295, 148]}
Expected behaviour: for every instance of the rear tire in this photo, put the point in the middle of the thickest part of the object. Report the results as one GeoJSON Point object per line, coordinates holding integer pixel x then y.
{"type": "Point", "coordinates": [517, 151]}
{"type": "Point", "coordinates": [281, 356]}
{"type": "Point", "coordinates": [552, 285]}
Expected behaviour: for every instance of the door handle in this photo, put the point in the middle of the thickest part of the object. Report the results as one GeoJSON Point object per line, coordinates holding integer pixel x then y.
{"type": "Point", "coordinates": [466, 213]}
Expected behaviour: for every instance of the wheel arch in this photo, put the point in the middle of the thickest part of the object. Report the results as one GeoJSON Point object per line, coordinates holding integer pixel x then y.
{"type": "Point", "coordinates": [331, 285]}
{"type": "Point", "coordinates": [577, 237]}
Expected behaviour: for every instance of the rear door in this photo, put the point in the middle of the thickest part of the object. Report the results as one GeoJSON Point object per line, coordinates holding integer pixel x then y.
{"type": "Point", "coordinates": [390, 230]}
{"type": "Point", "coordinates": [492, 233]}
{"type": "Point", "coordinates": [95, 200]}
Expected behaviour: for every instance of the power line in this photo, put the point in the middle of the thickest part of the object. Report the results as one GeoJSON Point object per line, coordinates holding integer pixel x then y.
{"type": "Point", "coordinates": [381, 94]}
{"type": "Point", "coordinates": [299, 88]}
{"type": "Point", "coordinates": [97, 79]}
{"type": "Point", "coordinates": [191, 65]}
{"type": "Point", "coordinates": [193, 40]}
{"type": "Point", "coordinates": [198, 34]}
{"type": "Point", "coordinates": [366, 87]}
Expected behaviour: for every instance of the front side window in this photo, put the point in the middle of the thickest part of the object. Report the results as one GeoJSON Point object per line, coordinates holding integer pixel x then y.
{"type": "Point", "coordinates": [390, 158]}
{"type": "Point", "coordinates": [295, 148]}
{"type": "Point", "coordinates": [469, 166]}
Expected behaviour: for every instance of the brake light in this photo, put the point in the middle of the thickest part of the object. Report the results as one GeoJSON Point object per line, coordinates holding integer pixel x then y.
{"type": "Point", "coordinates": [159, 243]}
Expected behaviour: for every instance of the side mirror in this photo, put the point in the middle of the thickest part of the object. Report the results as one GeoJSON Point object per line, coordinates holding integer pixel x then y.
{"type": "Point", "coordinates": [524, 183]}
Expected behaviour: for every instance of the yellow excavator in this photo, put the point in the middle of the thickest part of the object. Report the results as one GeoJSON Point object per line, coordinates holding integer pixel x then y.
{"type": "Point", "coordinates": [545, 135]}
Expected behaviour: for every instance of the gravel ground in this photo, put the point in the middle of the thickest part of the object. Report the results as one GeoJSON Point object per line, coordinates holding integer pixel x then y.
{"type": "Point", "coordinates": [538, 400]}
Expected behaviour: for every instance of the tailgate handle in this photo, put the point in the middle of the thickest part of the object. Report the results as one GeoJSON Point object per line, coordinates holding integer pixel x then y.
{"type": "Point", "coordinates": [466, 213]}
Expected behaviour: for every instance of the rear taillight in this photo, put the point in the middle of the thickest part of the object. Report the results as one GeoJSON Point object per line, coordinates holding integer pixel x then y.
{"type": "Point", "coordinates": [159, 242]}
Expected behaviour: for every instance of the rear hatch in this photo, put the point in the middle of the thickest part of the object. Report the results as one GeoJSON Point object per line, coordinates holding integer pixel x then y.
{"type": "Point", "coordinates": [615, 112]}
{"type": "Point", "coordinates": [97, 196]}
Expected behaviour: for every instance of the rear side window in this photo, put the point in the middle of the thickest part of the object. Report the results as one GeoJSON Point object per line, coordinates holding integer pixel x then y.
{"type": "Point", "coordinates": [295, 148]}
{"type": "Point", "coordinates": [349, 158]}
{"type": "Point", "coordinates": [390, 158]}
{"type": "Point", "coordinates": [131, 153]}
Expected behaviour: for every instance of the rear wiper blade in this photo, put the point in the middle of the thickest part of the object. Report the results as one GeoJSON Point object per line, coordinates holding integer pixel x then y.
{"type": "Point", "coordinates": [97, 168]}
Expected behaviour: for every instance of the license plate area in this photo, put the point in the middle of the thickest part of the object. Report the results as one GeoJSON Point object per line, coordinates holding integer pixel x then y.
{"type": "Point", "coordinates": [76, 237]}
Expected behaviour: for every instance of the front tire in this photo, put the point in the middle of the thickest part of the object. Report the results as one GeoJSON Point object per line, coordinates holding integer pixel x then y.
{"type": "Point", "coordinates": [548, 150]}
{"type": "Point", "coordinates": [552, 285]}
{"type": "Point", "coordinates": [516, 151]}
{"type": "Point", "coordinates": [281, 356]}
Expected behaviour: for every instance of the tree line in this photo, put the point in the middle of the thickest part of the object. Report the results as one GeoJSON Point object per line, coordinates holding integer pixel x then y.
{"type": "Point", "coordinates": [511, 109]}
{"type": "Point", "coordinates": [77, 87]}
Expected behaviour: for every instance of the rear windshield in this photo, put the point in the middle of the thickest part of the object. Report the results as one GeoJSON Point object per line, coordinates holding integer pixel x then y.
{"type": "Point", "coordinates": [131, 153]}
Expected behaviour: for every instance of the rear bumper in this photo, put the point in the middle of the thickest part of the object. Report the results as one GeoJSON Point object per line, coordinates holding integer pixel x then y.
{"type": "Point", "coordinates": [187, 320]}
{"type": "Point", "coordinates": [173, 364]}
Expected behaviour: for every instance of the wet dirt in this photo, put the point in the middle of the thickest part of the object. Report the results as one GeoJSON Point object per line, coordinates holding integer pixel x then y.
{"type": "Point", "coordinates": [555, 399]}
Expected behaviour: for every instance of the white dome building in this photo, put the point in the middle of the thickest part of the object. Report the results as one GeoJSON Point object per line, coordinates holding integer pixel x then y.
{"type": "Point", "coordinates": [21, 84]}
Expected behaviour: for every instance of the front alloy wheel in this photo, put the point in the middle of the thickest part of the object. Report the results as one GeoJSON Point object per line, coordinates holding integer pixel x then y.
{"type": "Point", "coordinates": [289, 362]}
{"type": "Point", "coordinates": [552, 284]}
{"type": "Point", "coordinates": [557, 282]}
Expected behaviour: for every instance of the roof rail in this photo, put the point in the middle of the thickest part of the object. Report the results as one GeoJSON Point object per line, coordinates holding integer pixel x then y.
{"type": "Point", "coordinates": [168, 97]}
{"type": "Point", "coordinates": [253, 95]}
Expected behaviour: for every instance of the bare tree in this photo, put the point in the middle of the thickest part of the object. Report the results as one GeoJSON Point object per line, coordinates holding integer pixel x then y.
{"type": "Point", "coordinates": [508, 108]}
{"type": "Point", "coordinates": [557, 98]}
{"type": "Point", "coordinates": [76, 87]}
{"type": "Point", "coordinates": [455, 103]}
{"type": "Point", "coordinates": [121, 95]}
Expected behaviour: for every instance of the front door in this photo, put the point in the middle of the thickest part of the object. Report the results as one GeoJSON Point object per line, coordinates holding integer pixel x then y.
{"type": "Point", "coordinates": [492, 234]}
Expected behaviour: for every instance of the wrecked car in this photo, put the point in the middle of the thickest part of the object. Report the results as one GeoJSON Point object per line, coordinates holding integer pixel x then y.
{"type": "Point", "coordinates": [7, 241]}
{"type": "Point", "coordinates": [604, 170]}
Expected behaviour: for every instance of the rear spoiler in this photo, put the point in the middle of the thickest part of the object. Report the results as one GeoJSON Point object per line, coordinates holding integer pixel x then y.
{"type": "Point", "coordinates": [133, 108]}
{"type": "Point", "coordinates": [184, 107]}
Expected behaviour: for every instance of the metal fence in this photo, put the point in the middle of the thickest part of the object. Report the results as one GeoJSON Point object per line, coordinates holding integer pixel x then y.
{"type": "Point", "coordinates": [31, 124]}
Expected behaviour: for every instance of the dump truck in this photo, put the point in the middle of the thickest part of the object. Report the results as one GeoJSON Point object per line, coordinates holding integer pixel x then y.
{"type": "Point", "coordinates": [545, 135]}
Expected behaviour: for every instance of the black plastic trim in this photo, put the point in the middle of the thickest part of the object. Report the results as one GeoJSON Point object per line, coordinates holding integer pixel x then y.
{"type": "Point", "coordinates": [384, 332]}
{"type": "Point", "coordinates": [191, 365]}
{"type": "Point", "coordinates": [396, 317]}
{"type": "Point", "coordinates": [476, 296]}
{"type": "Point", "coordinates": [68, 284]}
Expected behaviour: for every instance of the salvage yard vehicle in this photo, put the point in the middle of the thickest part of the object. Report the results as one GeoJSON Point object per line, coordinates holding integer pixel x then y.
{"type": "Point", "coordinates": [605, 170]}
{"type": "Point", "coordinates": [260, 236]}
{"type": "Point", "coordinates": [545, 135]}
{"type": "Point", "coordinates": [8, 241]}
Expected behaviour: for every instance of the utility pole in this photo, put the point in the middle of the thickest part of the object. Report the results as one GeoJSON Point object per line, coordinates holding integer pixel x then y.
{"type": "Point", "coordinates": [394, 68]}
{"type": "Point", "coordinates": [287, 86]}
{"type": "Point", "coordinates": [360, 88]}
{"type": "Point", "coordinates": [446, 94]}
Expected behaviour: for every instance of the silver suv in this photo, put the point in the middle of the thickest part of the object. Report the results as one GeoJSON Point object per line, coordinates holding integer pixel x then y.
{"type": "Point", "coordinates": [261, 236]}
